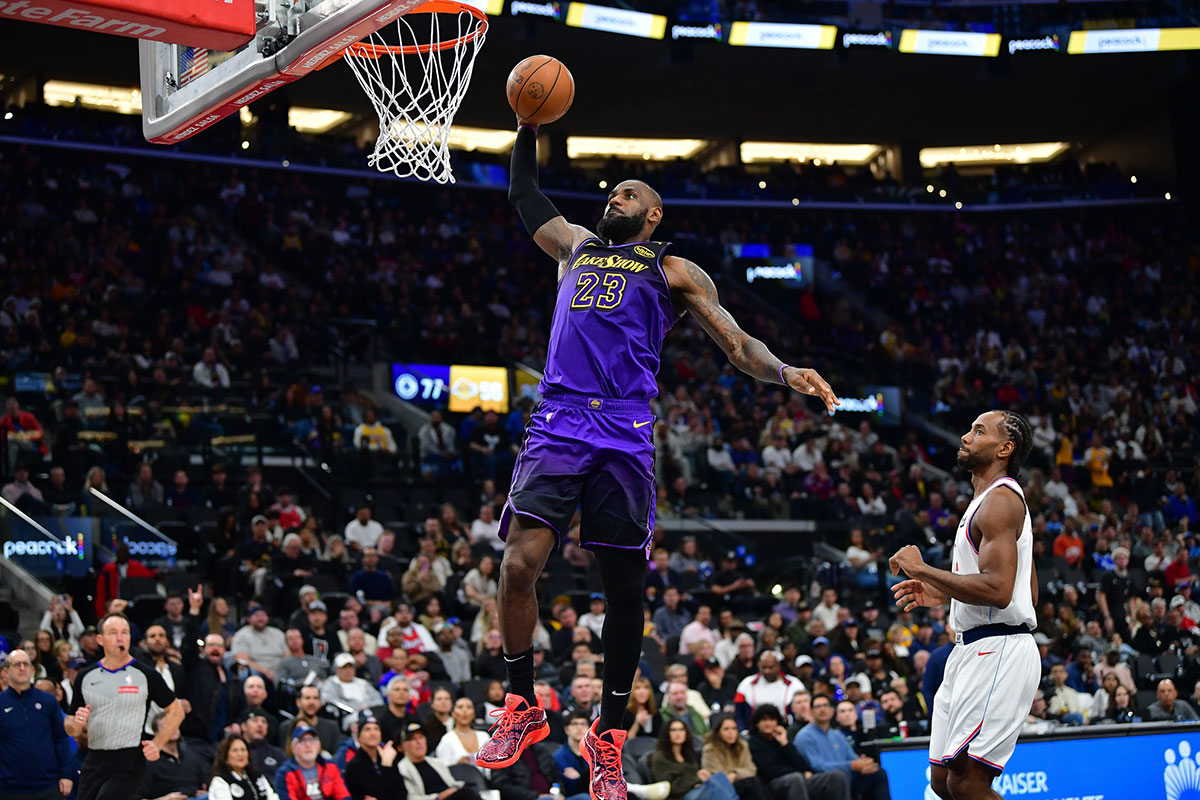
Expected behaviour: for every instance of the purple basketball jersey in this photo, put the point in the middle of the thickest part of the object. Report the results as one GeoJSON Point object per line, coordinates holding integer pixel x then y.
{"type": "Point", "coordinates": [610, 318]}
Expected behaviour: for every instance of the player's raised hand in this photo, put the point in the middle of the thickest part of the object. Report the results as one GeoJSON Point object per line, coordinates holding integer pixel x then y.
{"type": "Point", "coordinates": [82, 715]}
{"type": "Point", "coordinates": [150, 750]}
{"type": "Point", "coordinates": [809, 381]}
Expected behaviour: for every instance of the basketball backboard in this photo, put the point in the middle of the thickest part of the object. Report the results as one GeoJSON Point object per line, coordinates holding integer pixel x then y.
{"type": "Point", "coordinates": [186, 89]}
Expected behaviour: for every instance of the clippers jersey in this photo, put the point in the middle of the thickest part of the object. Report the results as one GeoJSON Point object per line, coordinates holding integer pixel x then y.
{"type": "Point", "coordinates": [964, 617]}
{"type": "Point", "coordinates": [612, 312]}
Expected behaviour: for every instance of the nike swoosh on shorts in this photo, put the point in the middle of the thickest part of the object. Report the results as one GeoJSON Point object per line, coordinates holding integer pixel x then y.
{"type": "Point", "coordinates": [640, 424]}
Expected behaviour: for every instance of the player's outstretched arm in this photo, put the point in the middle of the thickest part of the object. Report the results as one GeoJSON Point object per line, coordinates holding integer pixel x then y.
{"type": "Point", "coordinates": [694, 290]}
{"type": "Point", "coordinates": [999, 522]}
{"type": "Point", "coordinates": [548, 227]}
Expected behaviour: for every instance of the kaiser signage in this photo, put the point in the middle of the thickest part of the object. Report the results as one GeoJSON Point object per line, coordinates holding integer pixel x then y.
{"type": "Point", "coordinates": [69, 553]}
{"type": "Point", "coordinates": [1092, 768]}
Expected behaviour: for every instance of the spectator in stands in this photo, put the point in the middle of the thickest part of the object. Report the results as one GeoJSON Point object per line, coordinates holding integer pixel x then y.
{"type": "Point", "coordinates": [290, 514]}
{"type": "Point", "coordinates": [396, 712]}
{"type": "Point", "coordinates": [1081, 675]}
{"type": "Point", "coordinates": [309, 704]}
{"type": "Point", "coordinates": [180, 767]}
{"type": "Point", "coordinates": [145, 491]}
{"type": "Point", "coordinates": [62, 620]}
{"type": "Point", "coordinates": [1168, 707]}
{"type": "Point", "coordinates": [108, 582]}
{"type": "Point", "coordinates": [254, 698]}
{"type": "Point", "coordinates": [348, 620]}
{"type": "Point", "coordinates": [1066, 705]}
{"type": "Point", "coordinates": [319, 639]}
{"type": "Point", "coordinates": [416, 637]}
{"type": "Point", "coordinates": [782, 767]}
{"type": "Point", "coordinates": [209, 373]}
{"type": "Point", "coordinates": [828, 610]}
{"type": "Point", "coordinates": [1120, 706]}
{"type": "Point", "coordinates": [671, 617]}
{"type": "Point", "coordinates": [827, 749]}
{"type": "Point", "coordinates": [642, 711]}
{"type": "Point", "coordinates": [219, 494]}
{"type": "Point", "coordinates": [21, 492]}
{"type": "Point", "coordinates": [462, 741]}
{"type": "Point", "coordinates": [1112, 663]}
{"type": "Point", "coordinates": [436, 439]}
{"type": "Point", "coordinates": [345, 688]}
{"type": "Point", "coordinates": [265, 756]}
{"type": "Point", "coordinates": [479, 585]}
{"type": "Point", "coordinates": [676, 707]}
{"type": "Point", "coordinates": [421, 581]}
{"type": "Point", "coordinates": [235, 775]}
{"type": "Point", "coordinates": [594, 619]}
{"type": "Point", "coordinates": [718, 689]}
{"type": "Point", "coordinates": [297, 665]}
{"type": "Point", "coordinates": [1181, 506]}
{"type": "Point", "coordinates": [373, 436]}
{"type": "Point", "coordinates": [725, 752]}
{"type": "Point", "coordinates": [729, 583]}
{"type": "Point", "coordinates": [371, 585]}
{"type": "Point", "coordinates": [22, 433]}
{"type": "Point", "coordinates": [428, 778]}
{"type": "Point", "coordinates": [212, 691]}
{"type": "Point", "coordinates": [362, 531]}
{"type": "Point", "coordinates": [373, 772]}
{"type": "Point", "coordinates": [260, 644]}
{"type": "Point", "coordinates": [1069, 546]}
{"type": "Point", "coordinates": [769, 686]}
{"type": "Point", "coordinates": [674, 761]}
{"type": "Point", "coordinates": [696, 631]}
{"type": "Point", "coordinates": [307, 775]}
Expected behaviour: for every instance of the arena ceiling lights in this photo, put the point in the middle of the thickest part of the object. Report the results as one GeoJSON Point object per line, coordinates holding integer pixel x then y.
{"type": "Point", "coordinates": [316, 120]}
{"type": "Point", "coordinates": [121, 99]}
{"type": "Point", "coordinates": [758, 152]}
{"type": "Point", "coordinates": [1137, 40]}
{"type": "Point", "coordinates": [995, 154]}
{"type": "Point", "coordinates": [643, 149]}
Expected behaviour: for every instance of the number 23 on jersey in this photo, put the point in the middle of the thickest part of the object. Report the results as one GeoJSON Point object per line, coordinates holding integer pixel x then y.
{"type": "Point", "coordinates": [604, 292]}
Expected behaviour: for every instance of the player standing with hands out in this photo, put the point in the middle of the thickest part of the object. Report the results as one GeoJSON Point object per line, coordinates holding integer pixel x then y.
{"type": "Point", "coordinates": [590, 441]}
{"type": "Point", "coordinates": [993, 673]}
{"type": "Point", "coordinates": [111, 700]}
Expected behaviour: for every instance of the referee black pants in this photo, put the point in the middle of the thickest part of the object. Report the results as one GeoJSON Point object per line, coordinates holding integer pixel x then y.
{"type": "Point", "coordinates": [112, 774]}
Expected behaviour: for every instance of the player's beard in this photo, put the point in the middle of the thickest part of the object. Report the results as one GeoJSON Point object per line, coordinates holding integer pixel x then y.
{"type": "Point", "coordinates": [620, 228]}
{"type": "Point", "coordinates": [970, 462]}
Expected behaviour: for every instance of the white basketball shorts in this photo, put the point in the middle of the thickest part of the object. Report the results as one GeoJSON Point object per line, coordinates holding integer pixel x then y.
{"type": "Point", "coordinates": [984, 699]}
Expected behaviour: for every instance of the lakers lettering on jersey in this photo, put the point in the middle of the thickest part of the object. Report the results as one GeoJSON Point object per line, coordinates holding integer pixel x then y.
{"type": "Point", "coordinates": [611, 314]}
{"type": "Point", "coordinates": [963, 616]}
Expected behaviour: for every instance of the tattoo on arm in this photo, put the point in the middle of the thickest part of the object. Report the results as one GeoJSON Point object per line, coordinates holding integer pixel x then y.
{"type": "Point", "coordinates": [745, 352]}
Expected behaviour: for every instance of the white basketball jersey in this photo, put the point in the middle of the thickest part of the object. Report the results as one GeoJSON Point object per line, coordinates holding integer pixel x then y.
{"type": "Point", "coordinates": [963, 616]}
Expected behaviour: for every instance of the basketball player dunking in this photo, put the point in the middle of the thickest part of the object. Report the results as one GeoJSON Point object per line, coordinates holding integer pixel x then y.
{"type": "Point", "coordinates": [589, 443]}
{"type": "Point", "coordinates": [993, 672]}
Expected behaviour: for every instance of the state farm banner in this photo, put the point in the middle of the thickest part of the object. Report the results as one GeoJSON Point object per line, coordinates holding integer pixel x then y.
{"type": "Point", "coordinates": [212, 24]}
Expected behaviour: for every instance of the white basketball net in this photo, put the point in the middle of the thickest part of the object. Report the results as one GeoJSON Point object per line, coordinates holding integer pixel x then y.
{"type": "Point", "coordinates": [416, 94]}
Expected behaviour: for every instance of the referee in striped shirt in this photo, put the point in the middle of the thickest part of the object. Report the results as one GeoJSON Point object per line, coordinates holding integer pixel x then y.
{"type": "Point", "coordinates": [111, 700]}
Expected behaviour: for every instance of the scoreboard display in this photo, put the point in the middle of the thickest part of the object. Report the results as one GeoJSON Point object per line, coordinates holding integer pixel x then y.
{"type": "Point", "coordinates": [459, 387]}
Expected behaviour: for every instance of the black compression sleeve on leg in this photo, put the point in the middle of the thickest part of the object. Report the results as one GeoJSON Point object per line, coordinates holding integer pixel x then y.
{"type": "Point", "coordinates": [533, 207]}
{"type": "Point", "coordinates": [624, 574]}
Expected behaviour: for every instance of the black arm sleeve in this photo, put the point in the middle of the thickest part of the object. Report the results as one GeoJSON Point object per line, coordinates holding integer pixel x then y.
{"type": "Point", "coordinates": [533, 207]}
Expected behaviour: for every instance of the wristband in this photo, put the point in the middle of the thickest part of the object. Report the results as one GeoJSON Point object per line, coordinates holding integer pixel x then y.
{"type": "Point", "coordinates": [782, 367]}
{"type": "Point", "coordinates": [529, 125]}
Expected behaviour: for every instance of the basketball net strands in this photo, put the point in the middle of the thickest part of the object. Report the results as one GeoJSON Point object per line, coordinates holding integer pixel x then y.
{"type": "Point", "coordinates": [203, 60]}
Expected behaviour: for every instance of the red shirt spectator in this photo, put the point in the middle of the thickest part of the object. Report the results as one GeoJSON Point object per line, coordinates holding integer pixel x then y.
{"type": "Point", "coordinates": [108, 582]}
{"type": "Point", "coordinates": [23, 425]}
{"type": "Point", "coordinates": [1069, 546]}
{"type": "Point", "coordinates": [1178, 570]}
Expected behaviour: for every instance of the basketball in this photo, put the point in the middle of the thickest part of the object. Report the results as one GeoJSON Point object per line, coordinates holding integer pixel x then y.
{"type": "Point", "coordinates": [540, 89]}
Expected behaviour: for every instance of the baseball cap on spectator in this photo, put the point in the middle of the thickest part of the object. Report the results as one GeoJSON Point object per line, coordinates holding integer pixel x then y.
{"type": "Point", "coordinates": [317, 605]}
{"type": "Point", "coordinates": [869, 605]}
{"type": "Point", "coordinates": [1113, 648]}
{"type": "Point", "coordinates": [874, 652]}
{"type": "Point", "coordinates": [251, 713]}
{"type": "Point", "coordinates": [443, 626]}
{"type": "Point", "coordinates": [1177, 601]}
{"type": "Point", "coordinates": [454, 621]}
{"type": "Point", "coordinates": [850, 622]}
{"type": "Point", "coordinates": [1120, 551]}
{"type": "Point", "coordinates": [306, 588]}
{"type": "Point", "coordinates": [77, 662]}
{"type": "Point", "coordinates": [366, 717]}
{"type": "Point", "coordinates": [257, 519]}
{"type": "Point", "coordinates": [411, 730]}
{"type": "Point", "coordinates": [90, 630]}
{"type": "Point", "coordinates": [301, 730]}
{"type": "Point", "coordinates": [254, 609]}
{"type": "Point", "coordinates": [802, 661]}
{"type": "Point", "coordinates": [820, 640]}
{"type": "Point", "coordinates": [596, 596]}
{"type": "Point", "coordinates": [730, 556]}
{"type": "Point", "coordinates": [712, 663]}
{"type": "Point", "coordinates": [342, 660]}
